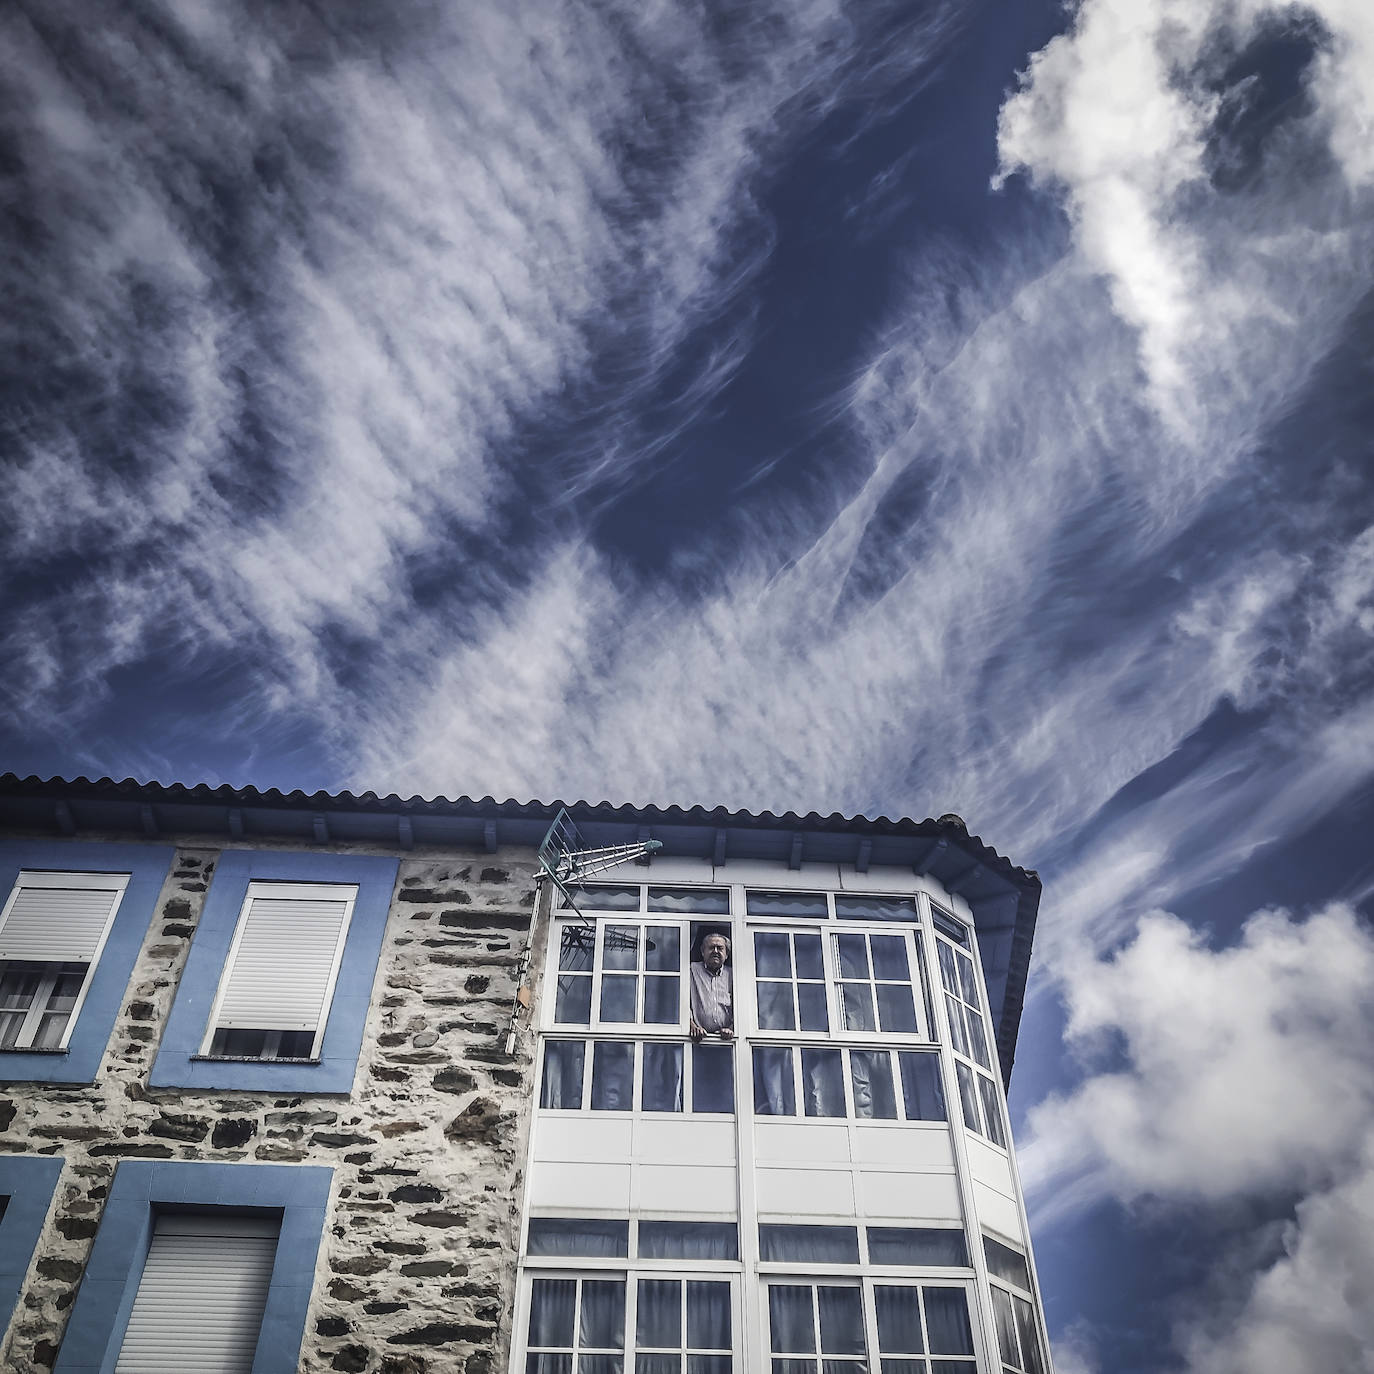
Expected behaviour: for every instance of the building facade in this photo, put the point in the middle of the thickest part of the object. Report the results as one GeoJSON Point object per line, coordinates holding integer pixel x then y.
{"type": "Point", "coordinates": [334, 1083]}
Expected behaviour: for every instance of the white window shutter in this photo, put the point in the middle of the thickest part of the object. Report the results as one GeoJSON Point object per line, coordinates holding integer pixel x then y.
{"type": "Point", "coordinates": [284, 959]}
{"type": "Point", "coordinates": [201, 1298]}
{"type": "Point", "coordinates": [59, 916]}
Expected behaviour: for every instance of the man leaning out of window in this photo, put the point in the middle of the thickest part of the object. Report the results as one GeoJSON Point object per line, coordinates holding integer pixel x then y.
{"type": "Point", "coordinates": [713, 990]}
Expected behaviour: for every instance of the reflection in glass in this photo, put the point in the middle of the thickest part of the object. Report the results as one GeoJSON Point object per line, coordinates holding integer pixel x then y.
{"type": "Point", "coordinates": [563, 1064]}
{"type": "Point", "coordinates": [812, 904]}
{"type": "Point", "coordinates": [978, 1041]}
{"type": "Point", "coordinates": [575, 949]}
{"type": "Point", "coordinates": [620, 947]}
{"type": "Point", "coordinates": [573, 1003]}
{"type": "Point", "coordinates": [889, 958]}
{"type": "Point", "coordinates": [949, 925]}
{"type": "Point", "coordinates": [956, 1024]}
{"type": "Point", "coordinates": [992, 1112]}
{"type": "Point", "coordinates": [815, 1015]}
{"type": "Point", "coordinates": [1030, 1338]}
{"type": "Point", "coordinates": [896, 1011]}
{"type": "Point", "coordinates": [1006, 1263]}
{"type": "Point", "coordinates": [608, 898]}
{"type": "Point", "coordinates": [696, 901]}
{"type": "Point", "coordinates": [870, 1075]}
{"type": "Point", "coordinates": [853, 953]}
{"type": "Point", "coordinates": [771, 955]}
{"type": "Point", "coordinates": [968, 1097]}
{"type": "Point", "coordinates": [822, 1083]}
{"type": "Point", "coordinates": [775, 1006]}
{"type": "Point", "coordinates": [713, 1078]}
{"type": "Point", "coordinates": [810, 961]}
{"type": "Point", "coordinates": [619, 993]}
{"type": "Point", "coordinates": [663, 949]}
{"type": "Point", "coordinates": [709, 1364]}
{"type": "Point", "coordinates": [922, 1090]}
{"type": "Point", "coordinates": [612, 1076]}
{"type": "Point", "coordinates": [548, 1364]}
{"type": "Point", "coordinates": [851, 908]}
{"type": "Point", "coordinates": [661, 1000]}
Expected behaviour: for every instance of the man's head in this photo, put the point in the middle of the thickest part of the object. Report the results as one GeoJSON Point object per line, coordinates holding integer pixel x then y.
{"type": "Point", "coordinates": [715, 950]}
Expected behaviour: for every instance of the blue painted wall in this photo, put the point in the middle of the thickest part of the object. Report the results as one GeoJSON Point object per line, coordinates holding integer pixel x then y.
{"type": "Point", "coordinates": [28, 1184]}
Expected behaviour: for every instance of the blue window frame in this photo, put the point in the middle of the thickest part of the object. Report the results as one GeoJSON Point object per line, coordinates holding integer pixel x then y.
{"type": "Point", "coordinates": [179, 1065]}
{"type": "Point", "coordinates": [143, 1187]}
{"type": "Point", "coordinates": [27, 1186]}
{"type": "Point", "coordinates": [147, 866]}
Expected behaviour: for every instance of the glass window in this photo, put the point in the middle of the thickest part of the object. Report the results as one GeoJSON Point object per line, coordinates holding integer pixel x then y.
{"type": "Point", "coordinates": [870, 1077]}
{"type": "Point", "coordinates": [950, 926]}
{"type": "Point", "coordinates": [966, 1024]}
{"type": "Point", "coordinates": [606, 897]}
{"type": "Point", "coordinates": [619, 973]}
{"type": "Point", "coordinates": [1018, 1338]}
{"type": "Point", "coordinates": [875, 983]}
{"type": "Point", "coordinates": [1006, 1263]}
{"type": "Point", "coordinates": [927, 1320]}
{"type": "Point", "coordinates": [851, 908]}
{"type": "Point", "coordinates": [796, 904]}
{"type": "Point", "coordinates": [806, 1320]}
{"type": "Point", "coordinates": [858, 1083]}
{"type": "Point", "coordinates": [672, 1077]}
{"type": "Point", "coordinates": [789, 968]}
{"type": "Point", "coordinates": [923, 1091]}
{"type": "Point", "coordinates": [774, 1090]}
{"type": "Point", "coordinates": [822, 1077]}
{"type": "Point", "coordinates": [682, 1326]}
{"type": "Point", "coordinates": [713, 1078]}
{"type": "Point", "coordinates": [574, 1317]}
{"type": "Point", "coordinates": [588, 1236]}
{"type": "Point", "coordinates": [613, 1076]}
{"type": "Point", "coordinates": [561, 1088]}
{"type": "Point", "coordinates": [576, 952]}
{"type": "Point", "coordinates": [695, 901]}
{"type": "Point", "coordinates": [718, 1240]}
{"type": "Point", "coordinates": [931, 1246]}
{"type": "Point", "coordinates": [809, 1244]}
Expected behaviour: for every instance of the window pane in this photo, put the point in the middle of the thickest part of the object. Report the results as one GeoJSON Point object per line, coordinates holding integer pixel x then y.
{"type": "Point", "coordinates": [699, 901]}
{"type": "Point", "coordinates": [772, 954]}
{"type": "Point", "coordinates": [708, 1315]}
{"type": "Point", "coordinates": [619, 992]}
{"type": "Point", "coordinates": [794, 1367]}
{"type": "Point", "coordinates": [875, 908]}
{"type": "Point", "coordinates": [978, 1041]}
{"type": "Point", "coordinates": [773, 1090]}
{"type": "Point", "coordinates": [809, 956]}
{"type": "Point", "coordinates": [620, 947]}
{"type": "Point", "coordinates": [914, 1367]}
{"type": "Point", "coordinates": [899, 1319]}
{"type": "Point", "coordinates": [612, 1076]}
{"type": "Point", "coordinates": [922, 1089]}
{"type": "Point", "coordinates": [857, 1002]}
{"type": "Point", "coordinates": [822, 1083]}
{"type": "Point", "coordinates": [992, 1112]}
{"type": "Point", "coordinates": [713, 1078]}
{"type": "Point", "coordinates": [947, 1324]}
{"type": "Point", "coordinates": [853, 953]}
{"type": "Point", "coordinates": [578, 1236]}
{"type": "Point", "coordinates": [661, 1090]}
{"type": "Point", "coordinates": [951, 926]}
{"type": "Point", "coordinates": [548, 1364]}
{"type": "Point", "coordinates": [1006, 1327]}
{"type": "Point", "coordinates": [786, 904]}
{"type": "Point", "coordinates": [955, 1011]}
{"type": "Point", "coordinates": [842, 1320]}
{"type": "Point", "coordinates": [940, 1246]}
{"type": "Point", "coordinates": [948, 977]}
{"type": "Point", "coordinates": [552, 1302]}
{"type": "Point", "coordinates": [870, 1075]}
{"type": "Point", "coordinates": [889, 957]}
{"type": "Point", "coordinates": [896, 1010]}
{"type": "Point", "coordinates": [775, 1006]}
{"type": "Point", "coordinates": [968, 1097]}
{"type": "Point", "coordinates": [791, 1318]}
{"type": "Point", "coordinates": [562, 1087]}
{"type": "Point", "coordinates": [815, 1015]}
{"type": "Point", "coordinates": [603, 1316]}
{"type": "Point", "coordinates": [573, 1005]}
{"type": "Point", "coordinates": [609, 898]}
{"type": "Point", "coordinates": [688, 1240]}
{"type": "Point", "coordinates": [600, 1364]}
{"type": "Point", "coordinates": [663, 949]}
{"type": "Point", "coordinates": [968, 987]}
{"type": "Point", "coordinates": [661, 1000]}
{"type": "Point", "coordinates": [1030, 1337]}
{"type": "Point", "coordinates": [710, 1364]}
{"type": "Point", "coordinates": [658, 1315]}
{"type": "Point", "coordinates": [575, 949]}
{"type": "Point", "coordinates": [1006, 1263]}
{"type": "Point", "coordinates": [658, 1364]}
{"type": "Point", "coordinates": [809, 1245]}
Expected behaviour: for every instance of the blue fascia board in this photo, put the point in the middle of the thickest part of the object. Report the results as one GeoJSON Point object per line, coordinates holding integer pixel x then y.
{"type": "Point", "coordinates": [176, 1067]}
{"type": "Point", "coordinates": [147, 866]}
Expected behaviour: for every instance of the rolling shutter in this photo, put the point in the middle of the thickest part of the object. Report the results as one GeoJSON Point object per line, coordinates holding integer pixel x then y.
{"type": "Point", "coordinates": [200, 1301]}
{"type": "Point", "coordinates": [61, 917]}
{"type": "Point", "coordinates": [286, 952]}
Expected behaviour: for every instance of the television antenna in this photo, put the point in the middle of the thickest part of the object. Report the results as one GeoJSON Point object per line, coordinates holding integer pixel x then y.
{"type": "Point", "coordinates": [567, 861]}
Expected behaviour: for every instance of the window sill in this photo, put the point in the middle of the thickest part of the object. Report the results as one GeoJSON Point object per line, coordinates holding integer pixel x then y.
{"type": "Point", "coordinates": [33, 1049]}
{"type": "Point", "coordinates": [247, 1059]}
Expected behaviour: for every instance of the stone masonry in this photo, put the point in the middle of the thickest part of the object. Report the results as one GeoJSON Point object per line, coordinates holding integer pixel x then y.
{"type": "Point", "coordinates": [416, 1271]}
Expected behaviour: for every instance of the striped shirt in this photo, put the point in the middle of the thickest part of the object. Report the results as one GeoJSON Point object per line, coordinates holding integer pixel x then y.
{"type": "Point", "coordinates": [713, 998]}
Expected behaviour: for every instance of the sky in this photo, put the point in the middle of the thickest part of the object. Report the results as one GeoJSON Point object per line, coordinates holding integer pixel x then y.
{"type": "Point", "coordinates": [892, 408]}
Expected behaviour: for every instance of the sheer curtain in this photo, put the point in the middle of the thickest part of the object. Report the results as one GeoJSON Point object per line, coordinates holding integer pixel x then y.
{"type": "Point", "coordinates": [774, 1093]}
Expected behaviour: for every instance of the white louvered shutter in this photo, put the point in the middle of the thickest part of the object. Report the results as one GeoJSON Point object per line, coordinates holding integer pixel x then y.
{"type": "Point", "coordinates": [200, 1301]}
{"type": "Point", "coordinates": [285, 956]}
{"type": "Point", "coordinates": [60, 917]}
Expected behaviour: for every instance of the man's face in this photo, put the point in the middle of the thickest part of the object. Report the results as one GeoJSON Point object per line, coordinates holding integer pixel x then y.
{"type": "Point", "coordinates": [713, 951]}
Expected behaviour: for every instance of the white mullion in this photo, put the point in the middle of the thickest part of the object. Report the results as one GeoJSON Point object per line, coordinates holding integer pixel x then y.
{"type": "Point", "coordinates": [33, 1017]}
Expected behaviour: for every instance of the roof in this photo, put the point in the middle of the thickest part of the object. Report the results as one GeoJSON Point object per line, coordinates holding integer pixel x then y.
{"type": "Point", "coordinates": [1004, 898]}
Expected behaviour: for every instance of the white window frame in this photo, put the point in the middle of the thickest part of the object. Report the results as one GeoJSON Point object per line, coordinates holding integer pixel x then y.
{"type": "Point", "coordinates": [830, 967]}
{"type": "Point", "coordinates": [117, 883]}
{"type": "Point", "coordinates": [279, 891]}
{"type": "Point", "coordinates": [844, 1050]}
{"type": "Point", "coordinates": [628, 1272]}
{"type": "Point", "coordinates": [637, 1081]}
{"type": "Point", "coordinates": [1020, 1366]}
{"type": "Point", "coordinates": [638, 1028]}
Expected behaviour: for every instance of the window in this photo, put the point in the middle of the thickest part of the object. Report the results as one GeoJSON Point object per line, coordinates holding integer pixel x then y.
{"type": "Point", "coordinates": [672, 1076]}
{"type": "Point", "coordinates": [793, 905]}
{"type": "Point", "coordinates": [789, 970]}
{"type": "Point", "coordinates": [851, 908]}
{"type": "Point", "coordinates": [809, 1244]}
{"type": "Point", "coordinates": [274, 997]}
{"type": "Point", "coordinates": [803, 1080]}
{"type": "Point", "coordinates": [584, 1236]}
{"type": "Point", "coordinates": [52, 931]}
{"type": "Point", "coordinates": [673, 1325]}
{"type": "Point", "coordinates": [935, 1247]}
{"type": "Point", "coordinates": [201, 1296]}
{"type": "Point", "coordinates": [1018, 1336]}
{"type": "Point", "coordinates": [829, 1328]}
{"type": "Point", "coordinates": [978, 1096]}
{"type": "Point", "coordinates": [619, 973]}
{"type": "Point", "coordinates": [875, 983]}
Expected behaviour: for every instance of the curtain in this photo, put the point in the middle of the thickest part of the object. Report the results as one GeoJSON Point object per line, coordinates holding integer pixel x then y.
{"type": "Point", "coordinates": [842, 1320]}
{"type": "Point", "coordinates": [896, 1010]}
{"type": "Point", "coordinates": [658, 1314]}
{"type": "Point", "coordinates": [870, 1073]}
{"type": "Point", "coordinates": [947, 1323]}
{"type": "Point", "coordinates": [774, 1094]}
{"type": "Point", "coordinates": [922, 1088]}
{"type": "Point", "coordinates": [937, 1246]}
{"type": "Point", "coordinates": [552, 1304]}
{"type": "Point", "coordinates": [992, 1111]}
{"type": "Point", "coordinates": [709, 1240]}
{"type": "Point", "coordinates": [612, 1076]}
{"type": "Point", "coordinates": [579, 1236]}
{"type": "Point", "coordinates": [563, 1064]}
{"type": "Point", "coordinates": [968, 1096]}
{"type": "Point", "coordinates": [822, 1083]}
{"type": "Point", "coordinates": [875, 908]}
{"type": "Point", "coordinates": [809, 1245]}
{"type": "Point", "coordinates": [791, 1318]}
{"type": "Point", "coordinates": [775, 1005]}
{"type": "Point", "coordinates": [602, 1323]}
{"type": "Point", "coordinates": [899, 1319]}
{"type": "Point", "coordinates": [708, 1315]}
{"type": "Point", "coordinates": [662, 1082]}
{"type": "Point", "coordinates": [713, 1078]}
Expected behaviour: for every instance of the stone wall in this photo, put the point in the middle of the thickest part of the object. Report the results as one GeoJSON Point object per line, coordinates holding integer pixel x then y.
{"type": "Point", "coordinates": [415, 1272]}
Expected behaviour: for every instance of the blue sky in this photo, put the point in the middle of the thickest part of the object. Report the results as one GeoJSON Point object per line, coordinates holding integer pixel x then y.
{"type": "Point", "coordinates": [889, 408]}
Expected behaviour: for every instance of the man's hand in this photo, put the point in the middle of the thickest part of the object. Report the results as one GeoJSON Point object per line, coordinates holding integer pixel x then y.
{"type": "Point", "coordinates": [696, 1032]}
{"type": "Point", "coordinates": [726, 1032]}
